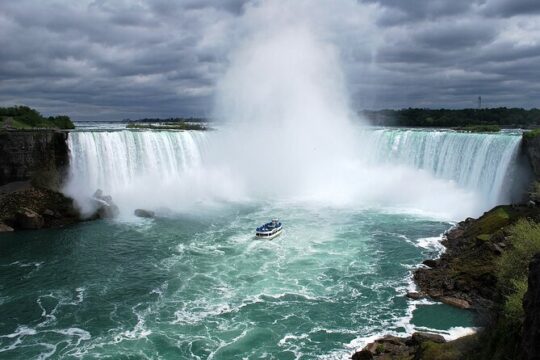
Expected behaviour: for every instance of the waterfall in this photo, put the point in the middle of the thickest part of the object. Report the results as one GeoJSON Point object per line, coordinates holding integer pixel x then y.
{"type": "Point", "coordinates": [440, 169]}
{"type": "Point", "coordinates": [483, 163]}
{"type": "Point", "coordinates": [124, 163]}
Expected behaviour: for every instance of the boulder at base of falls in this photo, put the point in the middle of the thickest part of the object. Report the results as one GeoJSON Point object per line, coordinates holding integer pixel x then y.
{"type": "Point", "coordinates": [5, 228]}
{"type": "Point", "coordinates": [144, 213]}
{"type": "Point", "coordinates": [28, 219]}
{"type": "Point", "coordinates": [105, 207]}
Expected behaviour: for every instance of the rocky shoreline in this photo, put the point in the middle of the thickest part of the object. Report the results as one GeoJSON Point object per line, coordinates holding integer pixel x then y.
{"type": "Point", "coordinates": [30, 208]}
{"type": "Point", "coordinates": [419, 345]}
{"type": "Point", "coordinates": [464, 277]}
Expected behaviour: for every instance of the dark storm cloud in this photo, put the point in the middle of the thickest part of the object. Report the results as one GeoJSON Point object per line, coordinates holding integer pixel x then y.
{"type": "Point", "coordinates": [506, 8]}
{"type": "Point", "coordinates": [453, 36]}
{"type": "Point", "coordinates": [106, 59]}
{"type": "Point", "coordinates": [75, 56]}
{"type": "Point", "coordinates": [411, 11]}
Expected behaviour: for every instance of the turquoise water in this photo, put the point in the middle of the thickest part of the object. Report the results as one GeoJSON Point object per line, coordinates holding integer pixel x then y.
{"type": "Point", "coordinates": [198, 285]}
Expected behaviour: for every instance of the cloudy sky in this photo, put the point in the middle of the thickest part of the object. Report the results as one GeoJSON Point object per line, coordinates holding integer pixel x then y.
{"type": "Point", "coordinates": [115, 59]}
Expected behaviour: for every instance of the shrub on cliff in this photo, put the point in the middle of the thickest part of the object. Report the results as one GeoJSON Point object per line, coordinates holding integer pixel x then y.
{"type": "Point", "coordinates": [62, 122]}
{"type": "Point", "coordinates": [513, 268]}
{"type": "Point", "coordinates": [531, 134]}
{"type": "Point", "coordinates": [513, 264]}
{"type": "Point", "coordinates": [513, 307]}
{"type": "Point", "coordinates": [502, 338]}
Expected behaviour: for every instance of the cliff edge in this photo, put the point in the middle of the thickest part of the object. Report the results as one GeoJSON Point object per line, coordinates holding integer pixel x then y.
{"type": "Point", "coordinates": [33, 164]}
{"type": "Point", "coordinates": [38, 156]}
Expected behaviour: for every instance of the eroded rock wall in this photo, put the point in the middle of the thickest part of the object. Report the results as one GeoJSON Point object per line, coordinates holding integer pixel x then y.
{"type": "Point", "coordinates": [40, 156]}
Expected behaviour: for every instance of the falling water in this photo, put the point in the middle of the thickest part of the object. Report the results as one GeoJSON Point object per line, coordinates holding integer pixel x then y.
{"type": "Point", "coordinates": [415, 169]}
{"type": "Point", "coordinates": [127, 164]}
{"type": "Point", "coordinates": [483, 163]}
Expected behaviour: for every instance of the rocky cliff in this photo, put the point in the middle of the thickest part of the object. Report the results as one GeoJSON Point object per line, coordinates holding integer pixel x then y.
{"type": "Point", "coordinates": [37, 156]}
{"type": "Point", "coordinates": [531, 148]}
{"type": "Point", "coordinates": [32, 168]}
{"type": "Point", "coordinates": [531, 306]}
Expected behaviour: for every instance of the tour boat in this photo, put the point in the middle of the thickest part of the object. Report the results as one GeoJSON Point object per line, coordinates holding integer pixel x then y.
{"type": "Point", "coordinates": [269, 230]}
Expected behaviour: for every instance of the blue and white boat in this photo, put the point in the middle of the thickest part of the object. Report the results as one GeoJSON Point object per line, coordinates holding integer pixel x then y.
{"type": "Point", "coordinates": [269, 230]}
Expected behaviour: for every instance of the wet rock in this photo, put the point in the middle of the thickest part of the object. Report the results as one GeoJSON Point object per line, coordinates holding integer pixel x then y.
{"type": "Point", "coordinates": [144, 213]}
{"type": "Point", "coordinates": [430, 263]}
{"type": "Point", "coordinates": [454, 234]}
{"type": "Point", "coordinates": [388, 347]}
{"type": "Point", "coordinates": [420, 337]}
{"type": "Point", "coordinates": [435, 294]}
{"type": "Point", "coordinates": [420, 345]}
{"type": "Point", "coordinates": [415, 295]}
{"type": "Point", "coordinates": [48, 212]}
{"type": "Point", "coordinates": [28, 219]}
{"type": "Point", "coordinates": [362, 355]}
{"type": "Point", "coordinates": [108, 211]}
{"type": "Point", "coordinates": [390, 339]}
{"type": "Point", "coordinates": [371, 347]}
{"type": "Point", "coordinates": [106, 208]}
{"type": "Point", "coordinates": [34, 208]}
{"type": "Point", "coordinates": [37, 156]}
{"type": "Point", "coordinates": [5, 228]}
{"type": "Point", "coordinates": [452, 301]}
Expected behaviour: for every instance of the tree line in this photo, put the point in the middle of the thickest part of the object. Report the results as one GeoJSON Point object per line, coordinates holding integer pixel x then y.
{"type": "Point", "coordinates": [416, 117]}
{"type": "Point", "coordinates": [24, 117]}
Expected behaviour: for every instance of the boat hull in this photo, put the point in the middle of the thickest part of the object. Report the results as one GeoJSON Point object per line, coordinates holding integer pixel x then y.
{"type": "Point", "coordinates": [268, 235]}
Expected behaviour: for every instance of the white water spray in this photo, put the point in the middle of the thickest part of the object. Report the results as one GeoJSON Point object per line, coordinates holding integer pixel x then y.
{"type": "Point", "coordinates": [284, 104]}
{"type": "Point", "coordinates": [288, 134]}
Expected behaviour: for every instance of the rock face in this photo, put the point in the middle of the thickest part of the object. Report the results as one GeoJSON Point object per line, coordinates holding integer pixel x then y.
{"type": "Point", "coordinates": [5, 228]}
{"type": "Point", "coordinates": [144, 213]}
{"type": "Point", "coordinates": [452, 301]}
{"type": "Point", "coordinates": [105, 207]}
{"type": "Point", "coordinates": [40, 156]}
{"type": "Point", "coordinates": [531, 147]}
{"type": "Point", "coordinates": [464, 276]}
{"type": "Point", "coordinates": [28, 219]}
{"type": "Point", "coordinates": [531, 306]}
{"type": "Point", "coordinates": [32, 167]}
{"type": "Point", "coordinates": [420, 337]}
{"type": "Point", "coordinates": [420, 345]}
